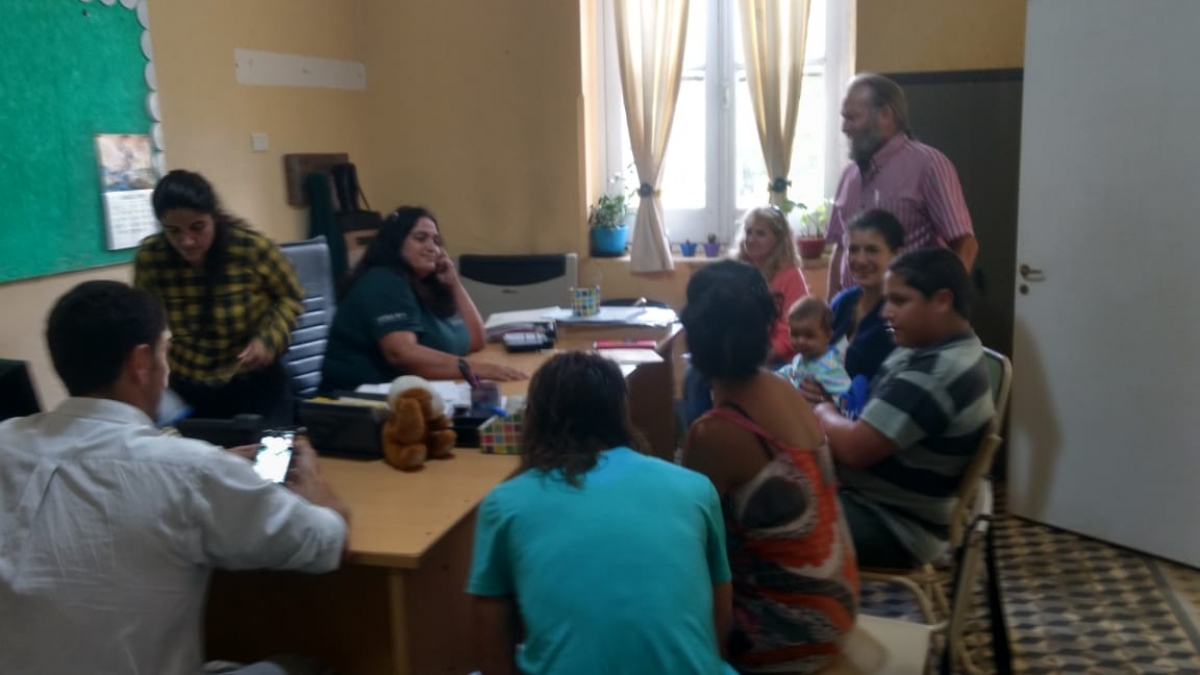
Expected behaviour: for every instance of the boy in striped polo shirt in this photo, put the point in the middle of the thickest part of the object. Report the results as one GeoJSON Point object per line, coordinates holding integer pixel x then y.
{"type": "Point", "coordinates": [901, 461]}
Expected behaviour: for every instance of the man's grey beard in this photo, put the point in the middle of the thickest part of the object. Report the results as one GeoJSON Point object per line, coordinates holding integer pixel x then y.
{"type": "Point", "coordinates": [862, 152]}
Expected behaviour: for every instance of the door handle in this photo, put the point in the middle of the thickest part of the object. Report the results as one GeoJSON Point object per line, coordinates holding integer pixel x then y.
{"type": "Point", "coordinates": [1030, 274]}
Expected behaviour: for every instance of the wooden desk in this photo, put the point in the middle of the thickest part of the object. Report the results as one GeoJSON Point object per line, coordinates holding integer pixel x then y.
{"type": "Point", "coordinates": [398, 606]}
{"type": "Point", "coordinates": [651, 386]}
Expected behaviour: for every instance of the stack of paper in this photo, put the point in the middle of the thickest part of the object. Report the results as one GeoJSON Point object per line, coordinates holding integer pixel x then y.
{"type": "Point", "coordinates": [526, 319]}
{"type": "Point", "coordinates": [631, 356]}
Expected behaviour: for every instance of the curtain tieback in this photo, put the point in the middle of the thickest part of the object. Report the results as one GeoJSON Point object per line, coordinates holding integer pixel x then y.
{"type": "Point", "coordinates": [647, 190]}
{"type": "Point", "coordinates": [779, 185]}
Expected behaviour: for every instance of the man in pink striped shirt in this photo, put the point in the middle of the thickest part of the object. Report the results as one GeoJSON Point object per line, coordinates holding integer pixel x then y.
{"type": "Point", "coordinates": [891, 171]}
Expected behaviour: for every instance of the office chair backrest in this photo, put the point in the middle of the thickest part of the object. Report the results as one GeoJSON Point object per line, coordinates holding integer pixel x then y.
{"type": "Point", "coordinates": [503, 283]}
{"type": "Point", "coordinates": [303, 359]}
{"type": "Point", "coordinates": [17, 396]}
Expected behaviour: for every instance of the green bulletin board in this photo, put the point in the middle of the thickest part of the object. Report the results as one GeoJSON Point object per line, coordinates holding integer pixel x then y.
{"type": "Point", "coordinates": [68, 70]}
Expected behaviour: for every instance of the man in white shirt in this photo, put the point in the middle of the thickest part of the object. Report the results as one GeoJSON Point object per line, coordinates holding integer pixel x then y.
{"type": "Point", "coordinates": [108, 529]}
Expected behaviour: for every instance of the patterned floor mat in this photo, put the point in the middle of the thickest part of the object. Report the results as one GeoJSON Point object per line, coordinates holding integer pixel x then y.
{"type": "Point", "coordinates": [1077, 605]}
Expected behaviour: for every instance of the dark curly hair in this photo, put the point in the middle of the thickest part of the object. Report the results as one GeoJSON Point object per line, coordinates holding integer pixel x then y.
{"type": "Point", "coordinates": [577, 407]}
{"type": "Point", "coordinates": [384, 251]}
{"type": "Point", "coordinates": [728, 319]}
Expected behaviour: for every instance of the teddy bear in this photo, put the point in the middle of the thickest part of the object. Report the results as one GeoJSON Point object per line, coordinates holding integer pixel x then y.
{"type": "Point", "coordinates": [418, 426]}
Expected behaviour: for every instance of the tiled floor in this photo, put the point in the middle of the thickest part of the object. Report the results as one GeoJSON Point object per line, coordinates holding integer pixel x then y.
{"type": "Point", "coordinates": [1076, 605]}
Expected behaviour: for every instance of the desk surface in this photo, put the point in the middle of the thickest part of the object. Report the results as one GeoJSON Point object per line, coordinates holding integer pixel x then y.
{"type": "Point", "coordinates": [397, 516]}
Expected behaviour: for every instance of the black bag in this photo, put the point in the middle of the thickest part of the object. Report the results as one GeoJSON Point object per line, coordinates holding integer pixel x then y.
{"type": "Point", "coordinates": [344, 430]}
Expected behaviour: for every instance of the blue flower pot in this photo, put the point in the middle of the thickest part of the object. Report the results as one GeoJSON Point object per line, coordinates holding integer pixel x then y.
{"type": "Point", "coordinates": [688, 249]}
{"type": "Point", "coordinates": [609, 242]}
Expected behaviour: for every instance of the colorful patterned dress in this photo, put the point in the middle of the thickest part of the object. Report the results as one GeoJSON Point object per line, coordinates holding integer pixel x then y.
{"type": "Point", "coordinates": [795, 582]}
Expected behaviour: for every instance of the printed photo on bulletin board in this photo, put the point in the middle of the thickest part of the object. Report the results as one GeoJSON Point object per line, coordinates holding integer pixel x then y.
{"type": "Point", "coordinates": [127, 179]}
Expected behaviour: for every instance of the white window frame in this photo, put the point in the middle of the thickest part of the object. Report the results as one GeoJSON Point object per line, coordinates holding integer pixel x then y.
{"type": "Point", "coordinates": [720, 214]}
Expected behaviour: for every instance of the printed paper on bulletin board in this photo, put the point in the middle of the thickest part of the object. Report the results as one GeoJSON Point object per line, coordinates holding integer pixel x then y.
{"type": "Point", "coordinates": [68, 70]}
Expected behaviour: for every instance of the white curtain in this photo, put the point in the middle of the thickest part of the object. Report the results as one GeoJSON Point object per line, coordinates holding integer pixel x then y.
{"type": "Point", "coordinates": [774, 33]}
{"type": "Point", "coordinates": [650, 42]}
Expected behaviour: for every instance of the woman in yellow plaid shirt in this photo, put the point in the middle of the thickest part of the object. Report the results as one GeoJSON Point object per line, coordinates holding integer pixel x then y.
{"type": "Point", "coordinates": [231, 297]}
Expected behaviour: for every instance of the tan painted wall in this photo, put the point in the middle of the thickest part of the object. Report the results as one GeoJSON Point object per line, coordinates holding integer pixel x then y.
{"type": "Point", "coordinates": [208, 121]}
{"type": "Point", "coordinates": [474, 110]}
{"type": "Point", "coordinates": [940, 35]}
{"type": "Point", "coordinates": [932, 35]}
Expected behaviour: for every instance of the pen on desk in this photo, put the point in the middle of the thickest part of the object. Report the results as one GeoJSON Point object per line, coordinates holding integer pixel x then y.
{"type": "Point", "coordinates": [471, 378]}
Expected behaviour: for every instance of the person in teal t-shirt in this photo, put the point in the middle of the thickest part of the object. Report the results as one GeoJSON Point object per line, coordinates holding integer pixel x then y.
{"type": "Point", "coordinates": [404, 311]}
{"type": "Point", "coordinates": [610, 561]}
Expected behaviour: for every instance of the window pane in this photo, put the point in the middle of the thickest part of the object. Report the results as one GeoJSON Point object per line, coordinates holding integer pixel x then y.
{"type": "Point", "coordinates": [814, 43]}
{"type": "Point", "coordinates": [683, 184]}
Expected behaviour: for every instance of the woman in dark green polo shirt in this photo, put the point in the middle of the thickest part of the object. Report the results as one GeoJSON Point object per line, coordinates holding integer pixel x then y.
{"type": "Point", "coordinates": [404, 311]}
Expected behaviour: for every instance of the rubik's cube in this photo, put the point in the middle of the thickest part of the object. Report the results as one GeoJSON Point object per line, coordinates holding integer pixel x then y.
{"type": "Point", "coordinates": [501, 435]}
{"type": "Point", "coordinates": [585, 300]}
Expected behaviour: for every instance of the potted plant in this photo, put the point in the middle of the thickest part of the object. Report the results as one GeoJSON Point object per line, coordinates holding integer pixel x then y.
{"type": "Point", "coordinates": [712, 247]}
{"type": "Point", "coordinates": [688, 248]}
{"type": "Point", "coordinates": [810, 230]}
{"type": "Point", "coordinates": [609, 230]}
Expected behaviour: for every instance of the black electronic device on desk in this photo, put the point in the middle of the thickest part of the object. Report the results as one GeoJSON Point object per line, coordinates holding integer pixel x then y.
{"type": "Point", "coordinates": [351, 428]}
{"type": "Point", "coordinates": [227, 433]}
{"type": "Point", "coordinates": [466, 427]}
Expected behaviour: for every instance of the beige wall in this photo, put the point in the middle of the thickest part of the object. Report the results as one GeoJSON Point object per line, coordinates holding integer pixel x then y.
{"type": "Point", "coordinates": [208, 121]}
{"type": "Point", "coordinates": [930, 35]}
{"type": "Point", "coordinates": [474, 110]}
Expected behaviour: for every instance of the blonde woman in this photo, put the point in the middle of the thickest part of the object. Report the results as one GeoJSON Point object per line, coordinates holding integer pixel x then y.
{"type": "Point", "coordinates": [766, 242]}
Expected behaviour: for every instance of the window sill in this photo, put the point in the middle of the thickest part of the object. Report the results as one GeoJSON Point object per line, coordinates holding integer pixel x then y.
{"type": "Point", "coordinates": [697, 260]}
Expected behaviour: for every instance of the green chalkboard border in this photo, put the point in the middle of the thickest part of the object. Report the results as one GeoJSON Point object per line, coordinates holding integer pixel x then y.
{"type": "Point", "coordinates": [70, 69]}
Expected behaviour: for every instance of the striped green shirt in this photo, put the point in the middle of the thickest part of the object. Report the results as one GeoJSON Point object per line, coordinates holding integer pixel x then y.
{"type": "Point", "coordinates": [935, 403]}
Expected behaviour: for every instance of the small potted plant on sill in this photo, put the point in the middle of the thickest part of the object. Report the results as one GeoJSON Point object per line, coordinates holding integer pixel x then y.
{"type": "Point", "coordinates": [712, 247]}
{"type": "Point", "coordinates": [609, 230]}
{"type": "Point", "coordinates": [810, 231]}
{"type": "Point", "coordinates": [688, 248]}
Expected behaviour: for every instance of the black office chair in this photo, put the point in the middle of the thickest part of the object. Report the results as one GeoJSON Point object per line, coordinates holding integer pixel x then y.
{"type": "Point", "coordinates": [304, 357]}
{"type": "Point", "coordinates": [17, 396]}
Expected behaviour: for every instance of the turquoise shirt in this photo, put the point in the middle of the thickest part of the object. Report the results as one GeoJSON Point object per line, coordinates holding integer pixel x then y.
{"type": "Point", "coordinates": [381, 302]}
{"type": "Point", "coordinates": [613, 577]}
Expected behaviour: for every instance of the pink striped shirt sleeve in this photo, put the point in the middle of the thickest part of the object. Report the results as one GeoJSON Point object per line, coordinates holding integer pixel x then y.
{"type": "Point", "coordinates": [944, 201]}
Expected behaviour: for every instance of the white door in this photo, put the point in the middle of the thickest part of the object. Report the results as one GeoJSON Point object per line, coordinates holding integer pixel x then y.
{"type": "Point", "coordinates": [1105, 434]}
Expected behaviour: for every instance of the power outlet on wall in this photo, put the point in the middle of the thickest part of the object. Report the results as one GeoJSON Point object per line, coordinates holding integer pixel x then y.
{"type": "Point", "coordinates": [258, 142]}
